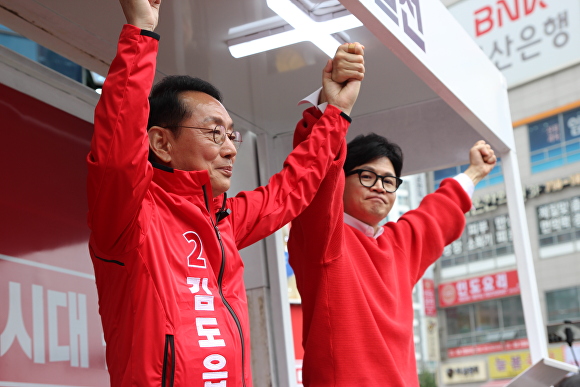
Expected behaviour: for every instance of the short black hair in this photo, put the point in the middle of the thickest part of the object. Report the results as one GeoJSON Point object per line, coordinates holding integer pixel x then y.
{"type": "Point", "coordinates": [366, 148]}
{"type": "Point", "coordinates": [166, 109]}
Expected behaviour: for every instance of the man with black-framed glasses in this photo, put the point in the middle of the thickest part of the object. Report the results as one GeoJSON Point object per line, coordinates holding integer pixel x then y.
{"type": "Point", "coordinates": [355, 277]}
{"type": "Point", "coordinates": [164, 237]}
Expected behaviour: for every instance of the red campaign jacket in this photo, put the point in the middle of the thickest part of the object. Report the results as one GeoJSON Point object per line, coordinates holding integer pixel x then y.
{"type": "Point", "coordinates": [168, 273]}
{"type": "Point", "coordinates": [357, 291]}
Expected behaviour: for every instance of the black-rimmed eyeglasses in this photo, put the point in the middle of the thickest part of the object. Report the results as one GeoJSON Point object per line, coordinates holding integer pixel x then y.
{"type": "Point", "coordinates": [369, 179]}
{"type": "Point", "coordinates": [219, 134]}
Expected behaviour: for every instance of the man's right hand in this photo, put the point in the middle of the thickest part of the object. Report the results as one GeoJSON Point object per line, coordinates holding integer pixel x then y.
{"type": "Point", "coordinates": [143, 14]}
{"type": "Point", "coordinates": [482, 160]}
{"type": "Point", "coordinates": [342, 76]}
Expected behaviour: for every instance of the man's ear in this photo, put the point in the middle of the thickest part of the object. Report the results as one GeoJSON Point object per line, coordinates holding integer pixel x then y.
{"type": "Point", "coordinates": [159, 143]}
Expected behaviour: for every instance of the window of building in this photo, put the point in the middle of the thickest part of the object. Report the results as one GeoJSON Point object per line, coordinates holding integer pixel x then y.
{"type": "Point", "coordinates": [513, 313]}
{"type": "Point", "coordinates": [485, 322]}
{"type": "Point", "coordinates": [48, 58]}
{"type": "Point", "coordinates": [494, 177]}
{"type": "Point", "coordinates": [458, 319]}
{"type": "Point", "coordinates": [486, 315]}
{"type": "Point", "coordinates": [563, 304]}
{"type": "Point", "coordinates": [482, 239]}
{"type": "Point", "coordinates": [559, 222]}
{"type": "Point", "coordinates": [555, 141]}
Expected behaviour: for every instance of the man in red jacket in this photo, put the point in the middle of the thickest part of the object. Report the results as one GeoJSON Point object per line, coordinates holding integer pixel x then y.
{"type": "Point", "coordinates": [355, 277]}
{"type": "Point", "coordinates": [164, 238]}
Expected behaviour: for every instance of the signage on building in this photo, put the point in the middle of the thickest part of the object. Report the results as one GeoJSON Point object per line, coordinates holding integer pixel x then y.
{"type": "Point", "coordinates": [559, 216]}
{"type": "Point", "coordinates": [525, 39]}
{"type": "Point", "coordinates": [465, 372]}
{"type": "Point", "coordinates": [478, 349]}
{"type": "Point", "coordinates": [482, 288]}
{"type": "Point", "coordinates": [508, 365]}
{"type": "Point", "coordinates": [476, 289]}
{"type": "Point", "coordinates": [432, 338]}
{"type": "Point", "coordinates": [429, 297]}
{"type": "Point", "coordinates": [482, 239]}
{"type": "Point", "coordinates": [491, 201]}
{"type": "Point", "coordinates": [554, 141]}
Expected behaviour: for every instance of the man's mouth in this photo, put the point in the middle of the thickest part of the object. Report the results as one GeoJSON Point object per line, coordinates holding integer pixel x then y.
{"type": "Point", "coordinates": [382, 200]}
{"type": "Point", "coordinates": [227, 170]}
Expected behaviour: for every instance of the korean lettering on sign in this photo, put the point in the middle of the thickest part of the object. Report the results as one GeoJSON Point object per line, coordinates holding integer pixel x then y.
{"type": "Point", "coordinates": [478, 288]}
{"type": "Point", "coordinates": [406, 14]}
{"type": "Point", "coordinates": [572, 125]}
{"type": "Point", "coordinates": [480, 235]}
{"type": "Point", "coordinates": [544, 133]}
{"type": "Point", "coordinates": [526, 44]}
{"type": "Point", "coordinates": [559, 216]}
{"type": "Point", "coordinates": [525, 39]}
{"type": "Point", "coordinates": [503, 232]}
{"type": "Point", "coordinates": [50, 331]}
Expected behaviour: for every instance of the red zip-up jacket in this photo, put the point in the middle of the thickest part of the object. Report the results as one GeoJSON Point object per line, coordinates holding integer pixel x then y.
{"type": "Point", "coordinates": [357, 290]}
{"type": "Point", "coordinates": [169, 276]}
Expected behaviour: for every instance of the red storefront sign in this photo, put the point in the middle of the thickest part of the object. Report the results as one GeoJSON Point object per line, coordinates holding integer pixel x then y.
{"type": "Point", "coordinates": [479, 349]}
{"type": "Point", "coordinates": [429, 297]}
{"type": "Point", "coordinates": [479, 288]}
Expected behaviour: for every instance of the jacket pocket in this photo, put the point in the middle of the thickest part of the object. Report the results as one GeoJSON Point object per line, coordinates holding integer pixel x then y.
{"type": "Point", "coordinates": [168, 362]}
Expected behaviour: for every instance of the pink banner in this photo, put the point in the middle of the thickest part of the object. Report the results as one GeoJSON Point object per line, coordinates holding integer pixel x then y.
{"type": "Point", "coordinates": [429, 297]}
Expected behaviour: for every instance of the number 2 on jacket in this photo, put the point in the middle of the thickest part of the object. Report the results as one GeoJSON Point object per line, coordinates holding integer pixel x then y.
{"type": "Point", "coordinates": [194, 258]}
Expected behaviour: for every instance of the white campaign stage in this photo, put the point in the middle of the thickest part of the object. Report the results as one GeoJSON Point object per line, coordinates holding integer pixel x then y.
{"type": "Point", "coordinates": [428, 87]}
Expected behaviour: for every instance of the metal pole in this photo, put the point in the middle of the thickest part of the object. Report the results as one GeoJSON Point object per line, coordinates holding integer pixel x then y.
{"type": "Point", "coordinates": [525, 262]}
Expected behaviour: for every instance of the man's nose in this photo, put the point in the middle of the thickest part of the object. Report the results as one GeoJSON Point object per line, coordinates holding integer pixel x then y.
{"type": "Point", "coordinates": [378, 186]}
{"type": "Point", "coordinates": [228, 148]}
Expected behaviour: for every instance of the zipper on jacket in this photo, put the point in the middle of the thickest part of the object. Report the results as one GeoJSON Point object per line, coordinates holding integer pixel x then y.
{"type": "Point", "coordinates": [168, 373]}
{"type": "Point", "coordinates": [220, 281]}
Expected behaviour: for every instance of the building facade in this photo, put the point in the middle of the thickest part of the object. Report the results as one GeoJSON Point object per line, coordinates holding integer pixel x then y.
{"type": "Point", "coordinates": [483, 339]}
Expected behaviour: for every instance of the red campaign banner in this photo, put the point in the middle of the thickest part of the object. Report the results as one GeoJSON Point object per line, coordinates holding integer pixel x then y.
{"type": "Point", "coordinates": [479, 288]}
{"type": "Point", "coordinates": [50, 329]}
{"type": "Point", "coordinates": [429, 297]}
{"type": "Point", "coordinates": [479, 349]}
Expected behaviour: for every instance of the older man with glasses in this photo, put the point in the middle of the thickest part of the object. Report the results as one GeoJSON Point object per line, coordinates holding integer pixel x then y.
{"type": "Point", "coordinates": [164, 237]}
{"type": "Point", "coordinates": [355, 277]}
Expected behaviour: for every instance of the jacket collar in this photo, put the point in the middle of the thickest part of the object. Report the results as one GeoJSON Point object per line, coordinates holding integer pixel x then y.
{"type": "Point", "coordinates": [189, 185]}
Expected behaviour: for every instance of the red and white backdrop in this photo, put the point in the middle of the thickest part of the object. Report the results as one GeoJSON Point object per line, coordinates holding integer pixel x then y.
{"type": "Point", "coordinates": [50, 330]}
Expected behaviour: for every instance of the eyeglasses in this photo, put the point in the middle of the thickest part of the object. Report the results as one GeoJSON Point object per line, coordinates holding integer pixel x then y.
{"type": "Point", "coordinates": [369, 179]}
{"type": "Point", "coordinates": [219, 134]}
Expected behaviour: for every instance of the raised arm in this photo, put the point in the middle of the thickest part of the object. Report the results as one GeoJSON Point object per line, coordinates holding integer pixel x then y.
{"type": "Point", "coordinates": [319, 227]}
{"type": "Point", "coordinates": [119, 173]}
{"type": "Point", "coordinates": [439, 220]}
{"type": "Point", "coordinates": [258, 213]}
{"type": "Point", "coordinates": [143, 14]}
